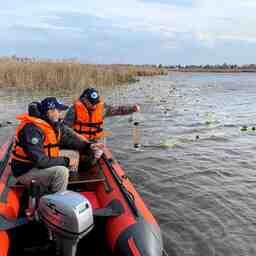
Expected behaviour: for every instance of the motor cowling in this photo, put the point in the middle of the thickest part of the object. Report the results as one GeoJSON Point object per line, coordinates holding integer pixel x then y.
{"type": "Point", "coordinates": [68, 217]}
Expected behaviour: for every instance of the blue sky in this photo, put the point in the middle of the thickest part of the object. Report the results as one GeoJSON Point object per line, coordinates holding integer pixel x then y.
{"type": "Point", "coordinates": [133, 31]}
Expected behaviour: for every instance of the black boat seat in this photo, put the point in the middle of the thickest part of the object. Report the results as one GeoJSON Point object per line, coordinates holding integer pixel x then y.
{"type": "Point", "coordinates": [85, 177]}
{"type": "Point", "coordinates": [14, 183]}
{"type": "Point", "coordinates": [73, 179]}
{"type": "Point", "coordinates": [17, 185]}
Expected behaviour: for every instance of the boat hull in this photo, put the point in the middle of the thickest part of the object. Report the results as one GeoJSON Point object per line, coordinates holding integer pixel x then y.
{"type": "Point", "coordinates": [132, 229]}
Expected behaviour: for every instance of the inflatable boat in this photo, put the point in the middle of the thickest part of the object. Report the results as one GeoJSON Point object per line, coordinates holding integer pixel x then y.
{"type": "Point", "coordinates": [101, 213]}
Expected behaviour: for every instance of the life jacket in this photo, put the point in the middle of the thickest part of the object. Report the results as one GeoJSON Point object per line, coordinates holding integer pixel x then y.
{"type": "Point", "coordinates": [89, 123]}
{"type": "Point", "coordinates": [51, 141]}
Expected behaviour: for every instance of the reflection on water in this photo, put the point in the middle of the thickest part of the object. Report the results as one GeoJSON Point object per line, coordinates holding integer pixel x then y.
{"type": "Point", "coordinates": [196, 167]}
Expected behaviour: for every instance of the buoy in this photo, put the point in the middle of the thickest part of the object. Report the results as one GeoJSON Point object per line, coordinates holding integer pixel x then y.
{"type": "Point", "coordinates": [136, 135]}
{"type": "Point", "coordinates": [244, 128]}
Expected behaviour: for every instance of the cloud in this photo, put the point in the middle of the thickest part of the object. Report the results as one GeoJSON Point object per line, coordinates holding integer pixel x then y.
{"type": "Point", "coordinates": [187, 3]}
{"type": "Point", "coordinates": [46, 26]}
{"type": "Point", "coordinates": [119, 30]}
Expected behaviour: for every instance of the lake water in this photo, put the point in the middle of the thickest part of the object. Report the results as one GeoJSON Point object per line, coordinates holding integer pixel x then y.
{"type": "Point", "coordinates": [196, 169]}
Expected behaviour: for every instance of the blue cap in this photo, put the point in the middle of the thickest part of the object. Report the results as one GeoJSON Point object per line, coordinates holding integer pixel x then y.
{"type": "Point", "coordinates": [92, 95]}
{"type": "Point", "coordinates": [51, 103]}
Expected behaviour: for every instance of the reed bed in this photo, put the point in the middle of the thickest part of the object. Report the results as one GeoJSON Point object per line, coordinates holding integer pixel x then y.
{"type": "Point", "coordinates": [65, 75]}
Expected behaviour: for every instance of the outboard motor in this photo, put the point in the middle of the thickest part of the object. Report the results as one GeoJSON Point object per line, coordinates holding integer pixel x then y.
{"type": "Point", "coordinates": [68, 217]}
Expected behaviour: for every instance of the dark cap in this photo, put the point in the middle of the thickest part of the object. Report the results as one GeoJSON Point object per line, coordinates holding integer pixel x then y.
{"type": "Point", "coordinates": [92, 95]}
{"type": "Point", "coordinates": [51, 103]}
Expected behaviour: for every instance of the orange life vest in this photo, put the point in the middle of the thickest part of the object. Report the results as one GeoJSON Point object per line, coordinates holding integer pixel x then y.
{"type": "Point", "coordinates": [51, 141]}
{"type": "Point", "coordinates": [89, 123]}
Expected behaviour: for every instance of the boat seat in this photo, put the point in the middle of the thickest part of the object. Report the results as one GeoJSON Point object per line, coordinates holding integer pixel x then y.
{"type": "Point", "coordinates": [85, 177]}
{"type": "Point", "coordinates": [17, 185]}
{"type": "Point", "coordinates": [14, 183]}
{"type": "Point", "coordinates": [75, 178]}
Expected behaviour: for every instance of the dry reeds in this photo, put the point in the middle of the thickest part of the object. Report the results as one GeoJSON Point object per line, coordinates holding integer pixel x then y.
{"type": "Point", "coordinates": [65, 75]}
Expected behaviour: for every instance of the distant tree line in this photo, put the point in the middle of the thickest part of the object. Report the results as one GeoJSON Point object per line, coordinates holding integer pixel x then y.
{"type": "Point", "coordinates": [214, 68]}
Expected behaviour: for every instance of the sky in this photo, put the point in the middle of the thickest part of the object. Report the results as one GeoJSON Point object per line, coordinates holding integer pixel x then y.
{"type": "Point", "coordinates": [165, 32]}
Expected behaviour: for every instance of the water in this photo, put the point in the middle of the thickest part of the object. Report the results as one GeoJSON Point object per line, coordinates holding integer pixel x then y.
{"type": "Point", "coordinates": [196, 169]}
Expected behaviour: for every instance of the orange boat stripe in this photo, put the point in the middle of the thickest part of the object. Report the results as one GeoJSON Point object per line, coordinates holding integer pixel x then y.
{"type": "Point", "coordinates": [4, 243]}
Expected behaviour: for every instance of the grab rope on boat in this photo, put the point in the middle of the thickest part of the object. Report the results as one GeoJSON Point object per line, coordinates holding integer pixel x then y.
{"type": "Point", "coordinates": [126, 193]}
{"type": "Point", "coordinates": [129, 196]}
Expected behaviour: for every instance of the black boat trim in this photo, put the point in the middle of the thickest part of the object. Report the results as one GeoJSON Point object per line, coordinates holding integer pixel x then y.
{"type": "Point", "coordinates": [129, 197]}
{"type": "Point", "coordinates": [3, 164]}
{"type": "Point", "coordinates": [4, 160]}
{"type": "Point", "coordinates": [6, 224]}
{"type": "Point", "coordinates": [113, 209]}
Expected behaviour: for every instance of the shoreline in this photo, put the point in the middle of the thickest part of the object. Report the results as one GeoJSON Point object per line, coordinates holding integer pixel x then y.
{"type": "Point", "coordinates": [213, 70]}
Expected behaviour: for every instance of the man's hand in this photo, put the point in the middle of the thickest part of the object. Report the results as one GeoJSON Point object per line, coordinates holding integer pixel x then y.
{"type": "Point", "coordinates": [73, 164]}
{"type": "Point", "coordinates": [136, 108]}
{"type": "Point", "coordinates": [97, 149]}
{"type": "Point", "coordinates": [97, 145]}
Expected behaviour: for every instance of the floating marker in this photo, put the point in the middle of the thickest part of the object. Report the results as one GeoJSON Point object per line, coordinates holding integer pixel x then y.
{"type": "Point", "coordinates": [244, 128]}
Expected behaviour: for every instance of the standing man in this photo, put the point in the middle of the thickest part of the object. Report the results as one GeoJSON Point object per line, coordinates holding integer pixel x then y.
{"type": "Point", "coordinates": [39, 138]}
{"type": "Point", "coordinates": [87, 114]}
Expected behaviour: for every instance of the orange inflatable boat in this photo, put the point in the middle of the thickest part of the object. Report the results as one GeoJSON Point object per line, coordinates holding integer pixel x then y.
{"type": "Point", "coordinates": [100, 214]}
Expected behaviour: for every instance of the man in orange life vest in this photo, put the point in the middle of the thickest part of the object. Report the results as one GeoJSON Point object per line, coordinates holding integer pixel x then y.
{"type": "Point", "coordinates": [38, 140]}
{"type": "Point", "coordinates": [87, 114]}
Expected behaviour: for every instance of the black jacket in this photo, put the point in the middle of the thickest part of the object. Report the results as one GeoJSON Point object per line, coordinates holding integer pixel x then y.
{"type": "Point", "coordinates": [32, 138]}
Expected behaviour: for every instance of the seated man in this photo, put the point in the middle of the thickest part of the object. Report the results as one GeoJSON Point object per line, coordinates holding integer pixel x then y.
{"type": "Point", "coordinates": [36, 151]}
{"type": "Point", "coordinates": [87, 114]}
